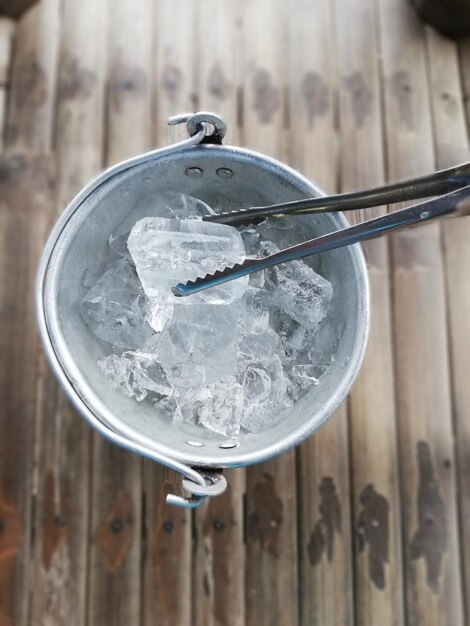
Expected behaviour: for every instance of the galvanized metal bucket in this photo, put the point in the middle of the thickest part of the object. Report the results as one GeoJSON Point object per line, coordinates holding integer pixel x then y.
{"type": "Point", "coordinates": [226, 177]}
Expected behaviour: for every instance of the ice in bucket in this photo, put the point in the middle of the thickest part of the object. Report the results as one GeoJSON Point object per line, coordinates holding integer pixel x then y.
{"type": "Point", "coordinates": [164, 250]}
{"type": "Point", "coordinates": [228, 358]}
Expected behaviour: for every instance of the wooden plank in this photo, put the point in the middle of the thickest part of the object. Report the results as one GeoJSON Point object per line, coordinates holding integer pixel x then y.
{"type": "Point", "coordinates": [26, 196]}
{"type": "Point", "coordinates": [129, 114]}
{"type": "Point", "coordinates": [271, 567]}
{"type": "Point", "coordinates": [7, 30]}
{"type": "Point", "coordinates": [175, 55]}
{"type": "Point", "coordinates": [375, 479]}
{"type": "Point", "coordinates": [312, 92]}
{"type": "Point", "coordinates": [323, 478]}
{"type": "Point", "coordinates": [263, 66]}
{"type": "Point", "coordinates": [218, 572]}
{"type": "Point", "coordinates": [116, 498]}
{"type": "Point", "coordinates": [79, 122]}
{"type": "Point", "coordinates": [167, 565]}
{"type": "Point", "coordinates": [432, 568]}
{"type": "Point", "coordinates": [451, 144]}
{"type": "Point", "coordinates": [62, 533]}
{"type": "Point", "coordinates": [33, 77]}
{"type": "Point", "coordinates": [218, 580]}
{"type": "Point", "coordinates": [115, 550]}
{"type": "Point", "coordinates": [324, 528]}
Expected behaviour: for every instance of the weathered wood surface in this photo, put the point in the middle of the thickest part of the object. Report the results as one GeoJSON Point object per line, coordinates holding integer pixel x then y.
{"type": "Point", "coordinates": [323, 491]}
{"type": "Point", "coordinates": [64, 450]}
{"type": "Point", "coordinates": [431, 549]}
{"type": "Point", "coordinates": [116, 499]}
{"type": "Point", "coordinates": [26, 194]}
{"type": "Point", "coordinates": [451, 146]}
{"type": "Point", "coordinates": [219, 551]}
{"type": "Point", "coordinates": [167, 550]}
{"type": "Point", "coordinates": [271, 519]}
{"type": "Point", "coordinates": [374, 466]}
{"type": "Point", "coordinates": [367, 523]}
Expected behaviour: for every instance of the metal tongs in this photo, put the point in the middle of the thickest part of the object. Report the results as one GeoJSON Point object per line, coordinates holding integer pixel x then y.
{"type": "Point", "coordinates": [451, 186]}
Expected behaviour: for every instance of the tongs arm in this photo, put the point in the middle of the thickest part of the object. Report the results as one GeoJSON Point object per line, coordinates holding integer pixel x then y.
{"type": "Point", "coordinates": [436, 184]}
{"type": "Point", "coordinates": [456, 203]}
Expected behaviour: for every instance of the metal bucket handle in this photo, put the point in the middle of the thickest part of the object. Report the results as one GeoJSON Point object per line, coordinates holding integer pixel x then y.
{"type": "Point", "coordinates": [213, 481]}
{"type": "Point", "coordinates": [200, 482]}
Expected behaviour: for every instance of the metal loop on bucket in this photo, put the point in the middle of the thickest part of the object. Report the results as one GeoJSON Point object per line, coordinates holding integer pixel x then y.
{"type": "Point", "coordinates": [203, 120]}
{"type": "Point", "coordinates": [215, 485]}
{"type": "Point", "coordinates": [199, 483]}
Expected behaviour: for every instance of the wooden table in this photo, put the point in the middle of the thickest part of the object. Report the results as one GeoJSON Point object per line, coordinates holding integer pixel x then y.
{"type": "Point", "coordinates": [366, 523]}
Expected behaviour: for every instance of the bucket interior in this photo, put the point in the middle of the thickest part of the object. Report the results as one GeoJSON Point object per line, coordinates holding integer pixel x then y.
{"type": "Point", "coordinates": [81, 252]}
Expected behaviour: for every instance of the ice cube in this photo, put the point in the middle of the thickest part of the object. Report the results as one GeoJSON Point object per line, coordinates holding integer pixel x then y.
{"type": "Point", "coordinates": [160, 310]}
{"type": "Point", "coordinates": [263, 344]}
{"type": "Point", "coordinates": [323, 348]}
{"type": "Point", "coordinates": [303, 376]}
{"type": "Point", "coordinates": [254, 314]}
{"type": "Point", "coordinates": [201, 335]}
{"type": "Point", "coordinates": [256, 384]}
{"type": "Point", "coordinates": [187, 380]}
{"type": "Point", "coordinates": [295, 337]}
{"type": "Point", "coordinates": [219, 367]}
{"type": "Point", "coordinates": [135, 374]}
{"type": "Point", "coordinates": [115, 307]}
{"type": "Point", "coordinates": [166, 204]}
{"type": "Point", "coordinates": [169, 406]}
{"type": "Point", "coordinates": [222, 410]}
{"type": "Point", "coordinates": [298, 290]}
{"type": "Point", "coordinates": [264, 408]}
{"type": "Point", "coordinates": [167, 251]}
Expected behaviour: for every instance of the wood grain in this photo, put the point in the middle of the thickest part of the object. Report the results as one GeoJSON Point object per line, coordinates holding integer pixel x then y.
{"type": "Point", "coordinates": [432, 568]}
{"type": "Point", "coordinates": [167, 564]}
{"type": "Point", "coordinates": [175, 86]}
{"type": "Point", "coordinates": [451, 145]}
{"type": "Point", "coordinates": [271, 550]}
{"type": "Point", "coordinates": [64, 455]}
{"type": "Point", "coordinates": [167, 557]}
{"type": "Point", "coordinates": [116, 493]}
{"type": "Point", "coordinates": [372, 412]}
{"type": "Point", "coordinates": [26, 193]}
{"type": "Point", "coordinates": [26, 197]}
{"type": "Point", "coordinates": [33, 80]}
{"type": "Point", "coordinates": [219, 551]}
{"type": "Point", "coordinates": [323, 478]}
{"type": "Point", "coordinates": [312, 88]}
{"type": "Point", "coordinates": [351, 93]}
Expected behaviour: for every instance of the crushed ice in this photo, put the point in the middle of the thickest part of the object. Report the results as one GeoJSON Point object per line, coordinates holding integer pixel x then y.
{"type": "Point", "coordinates": [231, 357]}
